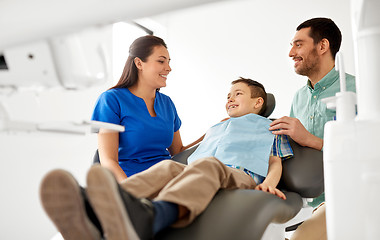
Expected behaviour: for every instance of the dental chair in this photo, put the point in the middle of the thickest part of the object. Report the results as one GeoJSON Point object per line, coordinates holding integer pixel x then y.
{"type": "Point", "coordinates": [251, 214]}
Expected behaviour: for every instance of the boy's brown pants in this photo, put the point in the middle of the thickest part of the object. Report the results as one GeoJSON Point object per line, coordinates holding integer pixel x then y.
{"type": "Point", "coordinates": [191, 186]}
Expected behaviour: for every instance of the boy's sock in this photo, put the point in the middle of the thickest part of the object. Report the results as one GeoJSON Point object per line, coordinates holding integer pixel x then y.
{"type": "Point", "coordinates": [165, 214]}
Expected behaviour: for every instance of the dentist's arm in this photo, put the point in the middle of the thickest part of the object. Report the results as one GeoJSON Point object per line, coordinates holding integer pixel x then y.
{"type": "Point", "coordinates": [108, 144]}
{"type": "Point", "coordinates": [177, 145]}
{"type": "Point", "coordinates": [294, 128]}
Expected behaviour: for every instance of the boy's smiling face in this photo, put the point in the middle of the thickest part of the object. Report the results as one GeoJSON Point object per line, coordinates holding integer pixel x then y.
{"type": "Point", "coordinates": [240, 102]}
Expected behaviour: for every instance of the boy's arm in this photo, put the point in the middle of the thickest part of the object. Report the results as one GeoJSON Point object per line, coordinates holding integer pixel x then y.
{"type": "Point", "coordinates": [273, 177]}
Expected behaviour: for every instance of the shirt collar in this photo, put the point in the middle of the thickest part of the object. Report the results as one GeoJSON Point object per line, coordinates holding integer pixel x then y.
{"type": "Point", "coordinates": [326, 81]}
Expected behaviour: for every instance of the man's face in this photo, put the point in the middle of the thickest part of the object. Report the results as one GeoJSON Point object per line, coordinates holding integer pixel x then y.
{"type": "Point", "coordinates": [304, 53]}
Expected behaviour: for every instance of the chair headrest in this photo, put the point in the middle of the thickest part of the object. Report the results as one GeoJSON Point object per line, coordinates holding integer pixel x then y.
{"type": "Point", "coordinates": [271, 104]}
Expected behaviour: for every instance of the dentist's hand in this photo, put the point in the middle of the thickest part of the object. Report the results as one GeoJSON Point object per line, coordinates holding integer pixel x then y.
{"type": "Point", "coordinates": [294, 128]}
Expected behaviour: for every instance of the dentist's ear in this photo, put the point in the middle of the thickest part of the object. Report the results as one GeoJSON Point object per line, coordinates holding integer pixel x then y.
{"type": "Point", "coordinates": [138, 63]}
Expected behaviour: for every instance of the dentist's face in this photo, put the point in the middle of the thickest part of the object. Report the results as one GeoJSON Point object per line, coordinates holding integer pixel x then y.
{"type": "Point", "coordinates": [304, 53]}
{"type": "Point", "coordinates": [155, 69]}
{"type": "Point", "coordinates": [239, 101]}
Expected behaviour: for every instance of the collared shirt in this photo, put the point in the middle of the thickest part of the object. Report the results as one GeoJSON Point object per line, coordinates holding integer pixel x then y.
{"type": "Point", "coordinates": [308, 107]}
{"type": "Point", "coordinates": [312, 112]}
{"type": "Point", "coordinates": [281, 147]}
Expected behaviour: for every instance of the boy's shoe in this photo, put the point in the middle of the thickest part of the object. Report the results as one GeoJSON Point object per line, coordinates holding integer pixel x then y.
{"type": "Point", "coordinates": [62, 199]}
{"type": "Point", "coordinates": [121, 215]}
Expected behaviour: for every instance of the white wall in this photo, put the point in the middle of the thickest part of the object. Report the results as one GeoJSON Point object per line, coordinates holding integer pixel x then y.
{"type": "Point", "coordinates": [209, 46]}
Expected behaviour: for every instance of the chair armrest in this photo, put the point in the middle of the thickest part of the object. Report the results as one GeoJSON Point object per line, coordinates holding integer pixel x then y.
{"type": "Point", "coordinates": [182, 156]}
{"type": "Point", "coordinates": [237, 214]}
{"type": "Point", "coordinates": [96, 159]}
{"type": "Point", "coordinates": [303, 173]}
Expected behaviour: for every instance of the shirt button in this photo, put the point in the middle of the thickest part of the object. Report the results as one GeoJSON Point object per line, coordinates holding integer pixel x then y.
{"type": "Point", "coordinates": [315, 97]}
{"type": "Point", "coordinates": [324, 88]}
{"type": "Point", "coordinates": [311, 117]}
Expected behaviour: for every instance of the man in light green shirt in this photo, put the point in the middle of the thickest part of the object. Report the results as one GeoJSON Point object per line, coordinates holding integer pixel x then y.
{"type": "Point", "coordinates": [313, 113]}
{"type": "Point", "coordinates": [313, 51]}
{"type": "Point", "coordinates": [308, 107]}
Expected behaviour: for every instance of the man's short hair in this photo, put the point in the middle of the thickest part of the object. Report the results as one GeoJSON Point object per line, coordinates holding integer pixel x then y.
{"type": "Point", "coordinates": [321, 28]}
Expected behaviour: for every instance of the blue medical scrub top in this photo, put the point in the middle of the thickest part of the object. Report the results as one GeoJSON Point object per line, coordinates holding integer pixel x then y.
{"type": "Point", "coordinates": [146, 139]}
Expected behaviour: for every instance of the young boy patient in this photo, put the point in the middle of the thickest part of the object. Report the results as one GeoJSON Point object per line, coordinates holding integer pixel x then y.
{"type": "Point", "coordinates": [239, 153]}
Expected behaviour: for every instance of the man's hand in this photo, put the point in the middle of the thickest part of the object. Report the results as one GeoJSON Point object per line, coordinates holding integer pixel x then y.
{"type": "Point", "coordinates": [291, 127]}
{"type": "Point", "coordinates": [266, 188]}
{"type": "Point", "coordinates": [294, 128]}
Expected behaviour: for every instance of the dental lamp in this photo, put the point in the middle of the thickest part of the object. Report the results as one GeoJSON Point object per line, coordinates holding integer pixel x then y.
{"type": "Point", "coordinates": [72, 62]}
{"type": "Point", "coordinates": [62, 44]}
{"type": "Point", "coordinates": [84, 127]}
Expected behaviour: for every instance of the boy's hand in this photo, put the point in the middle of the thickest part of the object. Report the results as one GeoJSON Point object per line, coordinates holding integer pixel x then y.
{"type": "Point", "coordinates": [270, 189]}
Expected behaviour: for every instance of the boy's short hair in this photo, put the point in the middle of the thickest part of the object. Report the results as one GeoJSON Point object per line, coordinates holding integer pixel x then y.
{"type": "Point", "coordinates": [257, 90]}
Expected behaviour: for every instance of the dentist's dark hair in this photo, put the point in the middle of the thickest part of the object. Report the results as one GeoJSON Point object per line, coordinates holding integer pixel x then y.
{"type": "Point", "coordinates": [142, 48]}
{"type": "Point", "coordinates": [321, 28]}
{"type": "Point", "coordinates": [257, 90]}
